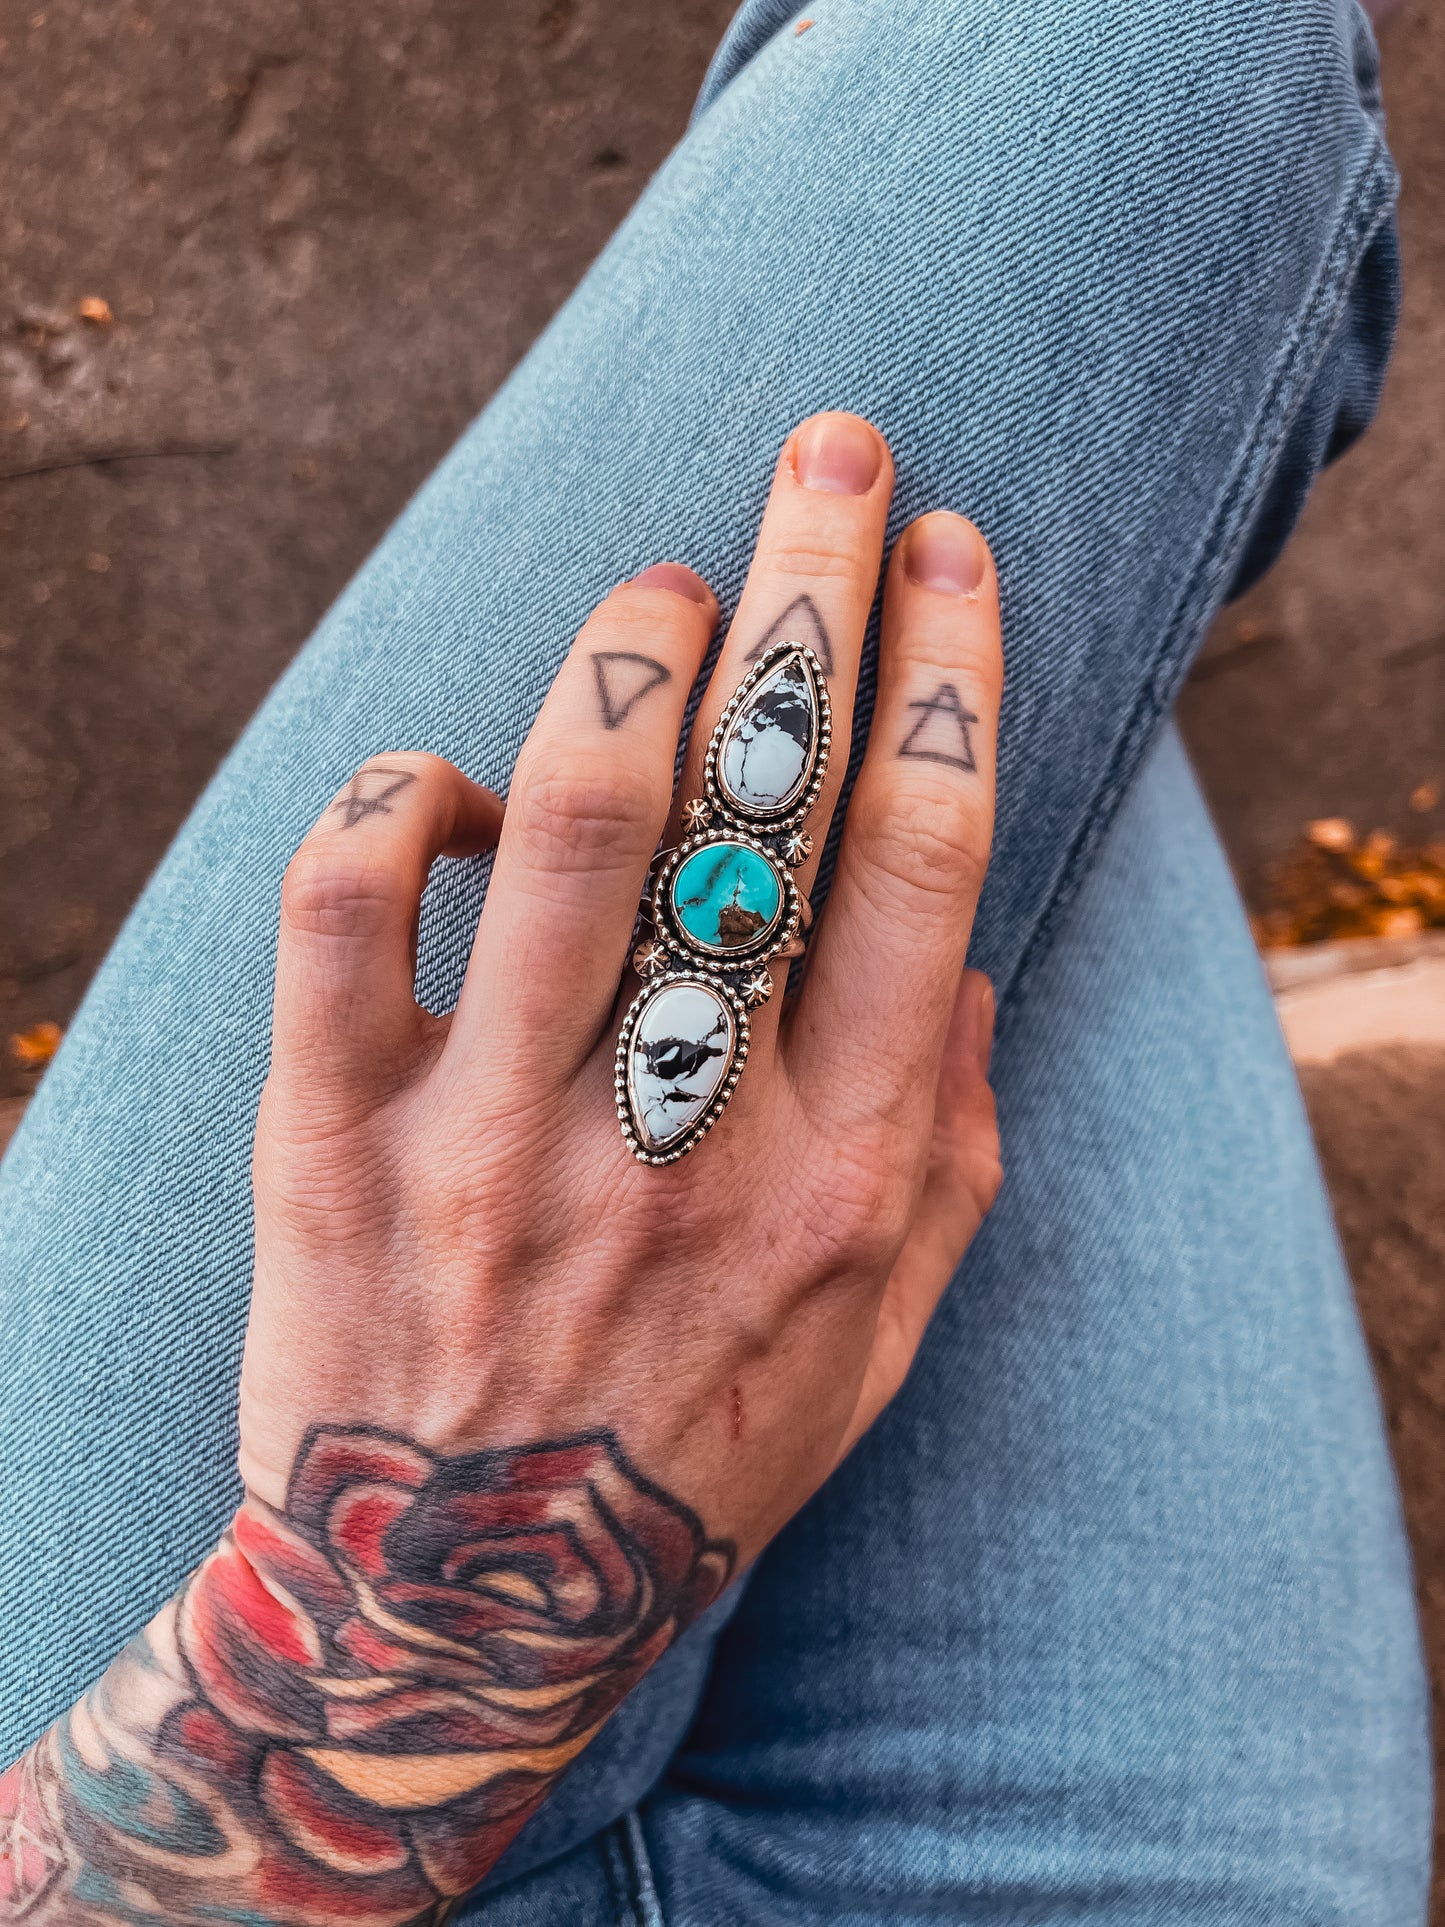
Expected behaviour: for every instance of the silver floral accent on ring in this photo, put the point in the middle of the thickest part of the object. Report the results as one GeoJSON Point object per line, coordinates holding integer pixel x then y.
{"type": "Point", "coordinates": [722, 904]}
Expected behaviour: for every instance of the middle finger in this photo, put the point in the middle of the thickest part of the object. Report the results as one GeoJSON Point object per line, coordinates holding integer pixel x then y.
{"type": "Point", "coordinates": [812, 581]}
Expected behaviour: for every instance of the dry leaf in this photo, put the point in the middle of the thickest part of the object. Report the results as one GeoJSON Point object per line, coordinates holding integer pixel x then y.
{"type": "Point", "coordinates": [1399, 923]}
{"type": "Point", "coordinates": [1331, 887]}
{"type": "Point", "coordinates": [1330, 833]}
{"type": "Point", "coordinates": [35, 1048]}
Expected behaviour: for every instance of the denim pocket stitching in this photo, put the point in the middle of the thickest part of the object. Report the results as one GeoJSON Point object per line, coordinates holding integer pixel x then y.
{"type": "Point", "coordinates": [1368, 204]}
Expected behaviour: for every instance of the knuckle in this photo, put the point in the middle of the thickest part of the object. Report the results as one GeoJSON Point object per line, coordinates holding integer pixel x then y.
{"type": "Point", "coordinates": [931, 845]}
{"type": "Point", "coordinates": [638, 611]}
{"type": "Point", "coordinates": [807, 554]}
{"type": "Point", "coordinates": [893, 1375]}
{"type": "Point", "coordinates": [983, 1159]}
{"type": "Point", "coordinates": [865, 1208]}
{"type": "Point", "coordinates": [327, 894]}
{"type": "Point", "coordinates": [988, 1180]}
{"type": "Point", "coordinates": [578, 817]}
{"type": "Point", "coordinates": [972, 1153]}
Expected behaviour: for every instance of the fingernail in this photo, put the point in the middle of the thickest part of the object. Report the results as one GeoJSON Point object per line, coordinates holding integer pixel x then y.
{"type": "Point", "coordinates": [946, 553]}
{"type": "Point", "coordinates": [838, 454]}
{"type": "Point", "coordinates": [681, 581]}
{"type": "Point", "coordinates": [985, 1028]}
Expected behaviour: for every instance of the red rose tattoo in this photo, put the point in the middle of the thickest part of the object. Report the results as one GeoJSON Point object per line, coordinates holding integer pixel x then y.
{"type": "Point", "coordinates": [350, 1709]}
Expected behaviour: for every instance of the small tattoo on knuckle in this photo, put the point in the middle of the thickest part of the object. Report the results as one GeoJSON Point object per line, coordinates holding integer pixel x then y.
{"type": "Point", "coordinates": [799, 622]}
{"type": "Point", "coordinates": [370, 793]}
{"type": "Point", "coordinates": [623, 679]}
{"type": "Point", "coordinates": [940, 730]}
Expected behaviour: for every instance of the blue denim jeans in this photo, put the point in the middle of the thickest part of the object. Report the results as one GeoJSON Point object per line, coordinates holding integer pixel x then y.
{"type": "Point", "coordinates": [1109, 1620]}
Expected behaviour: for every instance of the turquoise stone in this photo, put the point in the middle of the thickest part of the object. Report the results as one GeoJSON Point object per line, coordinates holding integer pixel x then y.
{"type": "Point", "coordinates": [726, 895]}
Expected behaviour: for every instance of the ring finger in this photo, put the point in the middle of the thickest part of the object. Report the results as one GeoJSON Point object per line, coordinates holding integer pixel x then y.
{"type": "Point", "coordinates": [869, 1027]}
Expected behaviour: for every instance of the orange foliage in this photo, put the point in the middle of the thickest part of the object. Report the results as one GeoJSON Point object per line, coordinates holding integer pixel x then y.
{"type": "Point", "coordinates": [35, 1048]}
{"type": "Point", "coordinates": [1334, 884]}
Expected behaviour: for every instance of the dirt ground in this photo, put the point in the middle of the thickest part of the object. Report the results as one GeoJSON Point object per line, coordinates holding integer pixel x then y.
{"type": "Point", "coordinates": [1322, 692]}
{"type": "Point", "coordinates": [258, 267]}
{"type": "Point", "coordinates": [1377, 1119]}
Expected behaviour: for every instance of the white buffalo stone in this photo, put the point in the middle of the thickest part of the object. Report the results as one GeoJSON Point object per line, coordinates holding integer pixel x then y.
{"type": "Point", "coordinates": [681, 1048]}
{"type": "Point", "coordinates": [767, 751]}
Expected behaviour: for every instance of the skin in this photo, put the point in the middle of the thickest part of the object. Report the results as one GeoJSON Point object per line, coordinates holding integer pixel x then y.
{"type": "Point", "coordinates": [514, 1407]}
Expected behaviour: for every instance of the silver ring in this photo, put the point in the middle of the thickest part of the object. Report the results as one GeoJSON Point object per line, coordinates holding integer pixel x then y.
{"type": "Point", "coordinates": [723, 905]}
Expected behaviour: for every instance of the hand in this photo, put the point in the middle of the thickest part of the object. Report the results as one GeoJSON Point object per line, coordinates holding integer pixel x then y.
{"type": "Point", "coordinates": [514, 1405]}
{"type": "Point", "coordinates": [452, 1243]}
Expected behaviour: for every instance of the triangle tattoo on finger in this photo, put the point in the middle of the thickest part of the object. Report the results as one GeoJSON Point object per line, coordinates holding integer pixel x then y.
{"type": "Point", "coordinates": [940, 735]}
{"type": "Point", "coordinates": [369, 793]}
{"type": "Point", "coordinates": [623, 679]}
{"type": "Point", "coordinates": [799, 622]}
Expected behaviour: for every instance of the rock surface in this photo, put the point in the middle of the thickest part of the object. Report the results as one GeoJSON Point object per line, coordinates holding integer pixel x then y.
{"type": "Point", "coordinates": [1321, 692]}
{"type": "Point", "coordinates": [1377, 1119]}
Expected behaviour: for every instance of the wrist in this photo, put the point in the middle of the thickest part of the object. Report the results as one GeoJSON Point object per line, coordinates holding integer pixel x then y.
{"type": "Point", "coordinates": [364, 1695]}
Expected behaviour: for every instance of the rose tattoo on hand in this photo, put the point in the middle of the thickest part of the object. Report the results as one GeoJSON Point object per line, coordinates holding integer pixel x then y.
{"type": "Point", "coordinates": [357, 1703]}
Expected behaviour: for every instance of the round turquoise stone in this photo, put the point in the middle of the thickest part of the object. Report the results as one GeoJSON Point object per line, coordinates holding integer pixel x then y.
{"type": "Point", "coordinates": [726, 895]}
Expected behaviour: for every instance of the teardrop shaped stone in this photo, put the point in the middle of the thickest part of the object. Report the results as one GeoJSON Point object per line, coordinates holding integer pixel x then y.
{"type": "Point", "coordinates": [768, 749]}
{"type": "Point", "coordinates": [725, 895]}
{"type": "Point", "coordinates": [682, 1046]}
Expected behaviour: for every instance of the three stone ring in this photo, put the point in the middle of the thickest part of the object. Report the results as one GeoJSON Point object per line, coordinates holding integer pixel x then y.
{"type": "Point", "coordinates": [723, 906]}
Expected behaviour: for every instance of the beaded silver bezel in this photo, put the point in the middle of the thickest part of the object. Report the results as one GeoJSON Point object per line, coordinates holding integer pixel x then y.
{"type": "Point", "coordinates": [712, 980]}
{"type": "Point", "coordinates": [687, 960]}
{"type": "Point", "coordinates": [789, 815]}
{"type": "Point", "coordinates": [767, 944]}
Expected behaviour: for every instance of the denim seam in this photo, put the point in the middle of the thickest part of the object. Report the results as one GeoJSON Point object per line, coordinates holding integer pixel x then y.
{"type": "Point", "coordinates": [1368, 203]}
{"type": "Point", "coordinates": [646, 1905]}
{"type": "Point", "coordinates": [629, 1873]}
{"type": "Point", "coordinates": [615, 1866]}
{"type": "Point", "coordinates": [746, 37]}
